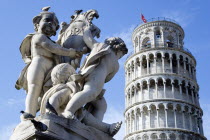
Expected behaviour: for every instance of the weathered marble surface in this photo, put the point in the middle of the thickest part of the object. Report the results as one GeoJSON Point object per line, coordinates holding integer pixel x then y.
{"type": "Point", "coordinates": [59, 128]}
{"type": "Point", "coordinates": [74, 99]}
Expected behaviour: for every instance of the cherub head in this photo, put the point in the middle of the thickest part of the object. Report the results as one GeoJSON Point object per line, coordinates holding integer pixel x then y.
{"type": "Point", "coordinates": [61, 73]}
{"type": "Point", "coordinates": [46, 22]}
{"type": "Point", "coordinates": [117, 45]}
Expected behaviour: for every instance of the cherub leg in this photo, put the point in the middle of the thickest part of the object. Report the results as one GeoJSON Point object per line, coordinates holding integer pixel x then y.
{"type": "Point", "coordinates": [59, 98]}
{"type": "Point", "coordinates": [31, 103]}
{"type": "Point", "coordinates": [111, 129]}
{"type": "Point", "coordinates": [100, 107]}
{"type": "Point", "coordinates": [89, 93]}
{"type": "Point", "coordinates": [90, 120]}
{"type": "Point", "coordinates": [35, 78]}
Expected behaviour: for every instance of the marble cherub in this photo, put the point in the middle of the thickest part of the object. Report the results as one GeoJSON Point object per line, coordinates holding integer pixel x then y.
{"type": "Point", "coordinates": [100, 67]}
{"type": "Point", "coordinates": [38, 52]}
{"type": "Point", "coordinates": [62, 92]}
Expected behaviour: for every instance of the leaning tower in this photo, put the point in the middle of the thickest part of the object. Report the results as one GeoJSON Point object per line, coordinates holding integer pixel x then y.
{"type": "Point", "coordinates": [161, 93]}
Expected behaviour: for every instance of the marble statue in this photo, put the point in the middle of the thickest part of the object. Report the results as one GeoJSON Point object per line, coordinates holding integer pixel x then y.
{"type": "Point", "coordinates": [71, 35]}
{"type": "Point", "coordinates": [61, 93]}
{"type": "Point", "coordinates": [73, 106]}
{"type": "Point", "coordinates": [38, 52]}
{"type": "Point", "coordinates": [99, 67]}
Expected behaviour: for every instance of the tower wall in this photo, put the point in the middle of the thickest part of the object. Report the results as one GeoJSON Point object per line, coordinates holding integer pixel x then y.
{"type": "Point", "coordinates": [161, 93]}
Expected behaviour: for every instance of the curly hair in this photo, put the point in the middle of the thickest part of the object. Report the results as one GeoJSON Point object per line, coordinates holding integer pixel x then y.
{"type": "Point", "coordinates": [117, 44]}
{"type": "Point", "coordinates": [61, 73]}
{"type": "Point", "coordinates": [37, 19]}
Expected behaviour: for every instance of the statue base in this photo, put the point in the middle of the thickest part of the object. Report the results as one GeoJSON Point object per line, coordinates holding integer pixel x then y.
{"type": "Point", "coordinates": [59, 128]}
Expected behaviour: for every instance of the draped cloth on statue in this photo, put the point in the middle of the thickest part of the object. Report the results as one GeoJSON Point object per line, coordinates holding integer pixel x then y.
{"type": "Point", "coordinates": [92, 61]}
{"type": "Point", "coordinates": [71, 85]}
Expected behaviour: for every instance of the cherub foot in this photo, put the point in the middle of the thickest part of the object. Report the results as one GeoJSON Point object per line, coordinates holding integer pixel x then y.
{"type": "Point", "coordinates": [26, 116]}
{"type": "Point", "coordinates": [69, 115]}
{"type": "Point", "coordinates": [51, 108]}
{"type": "Point", "coordinates": [114, 128]}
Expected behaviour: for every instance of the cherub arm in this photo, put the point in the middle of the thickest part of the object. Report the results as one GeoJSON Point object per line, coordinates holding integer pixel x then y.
{"type": "Point", "coordinates": [49, 45]}
{"type": "Point", "coordinates": [110, 76]}
{"type": "Point", "coordinates": [88, 37]}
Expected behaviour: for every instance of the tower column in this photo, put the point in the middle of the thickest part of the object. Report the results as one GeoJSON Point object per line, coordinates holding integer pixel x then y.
{"type": "Point", "coordinates": [135, 128]}
{"type": "Point", "coordinates": [163, 64]}
{"type": "Point", "coordinates": [131, 123]}
{"type": "Point", "coordinates": [186, 88]}
{"type": "Point", "coordinates": [158, 123]}
{"type": "Point", "coordinates": [171, 66]}
{"type": "Point", "coordinates": [135, 100]}
{"type": "Point", "coordinates": [134, 70]}
{"type": "Point", "coordinates": [140, 68]}
{"type": "Point", "coordinates": [191, 123]}
{"type": "Point", "coordinates": [185, 67]}
{"type": "Point", "coordinates": [126, 98]}
{"type": "Point", "coordinates": [175, 118]}
{"type": "Point", "coordinates": [166, 117]}
{"type": "Point", "coordinates": [148, 89]}
{"type": "Point", "coordinates": [196, 123]}
{"type": "Point", "coordinates": [172, 84]}
{"type": "Point", "coordinates": [196, 98]}
{"type": "Point", "coordinates": [201, 126]}
{"type": "Point", "coordinates": [190, 72]}
{"type": "Point", "coordinates": [192, 93]}
{"type": "Point", "coordinates": [141, 92]}
{"type": "Point", "coordinates": [126, 125]}
{"type": "Point", "coordinates": [156, 89]}
{"type": "Point", "coordinates": [149, 111]}
{"type": "Point", "coordinates": [178, 65]}
{"type": "Point", "coordinates": [147, 65]}
{"type": "Point", "coordinates": [164, 89]}
{"type": "Point", "coordinates": [155, 60]}
{"type": "Point", "coordinates": [194, 74]}
{"type": "Point", "coordinates": [142, 120]}
{"type": "Point", "coordinates": [183, 118]}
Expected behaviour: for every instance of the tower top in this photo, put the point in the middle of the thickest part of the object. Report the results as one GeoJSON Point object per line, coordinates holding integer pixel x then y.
{"type": "Point", "coordinates": [159, 21]}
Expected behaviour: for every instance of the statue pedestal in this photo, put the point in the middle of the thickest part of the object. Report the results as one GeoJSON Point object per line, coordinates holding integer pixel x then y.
{"type": "Point", "coordinates": [58, 129]}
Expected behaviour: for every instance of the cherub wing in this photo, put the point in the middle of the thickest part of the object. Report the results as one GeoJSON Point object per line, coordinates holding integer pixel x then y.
{"type": "Point", "coordinates": [25, 48]}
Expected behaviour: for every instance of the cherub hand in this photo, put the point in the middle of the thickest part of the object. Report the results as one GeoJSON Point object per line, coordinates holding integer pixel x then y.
{"type": "Point", "coordinates": [79, 54]}
{"type": "Point", "coordinates": [85, 50]}
{"type": "Point", "coordinates": [87, 27]}
{"type": "Point", "coordinates": [74, 53]}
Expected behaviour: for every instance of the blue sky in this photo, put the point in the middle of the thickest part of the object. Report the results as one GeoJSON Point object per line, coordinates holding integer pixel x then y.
{"type": "Point", "coordinates": [117, 18]}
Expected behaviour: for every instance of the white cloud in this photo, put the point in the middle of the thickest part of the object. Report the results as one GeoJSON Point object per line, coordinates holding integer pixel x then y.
{"type": "Point", "coordinates": [114, 115]}
{"type": "Point", "coordinates": [13, 101]}
{"type": "Point", "coordinates": [6, 131]}
{"type": "Point", "coordinates": [125, 34]}
{"type": "Point", "coordinates": [184, 16]}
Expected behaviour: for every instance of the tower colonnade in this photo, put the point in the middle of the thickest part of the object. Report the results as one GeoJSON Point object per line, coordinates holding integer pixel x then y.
{"type": "Point", "coordinates": [161, 90]}
{"type": "Point", "coordinates": [166, 61]}
{"type": "Point", "coordinates": [162, 87]}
